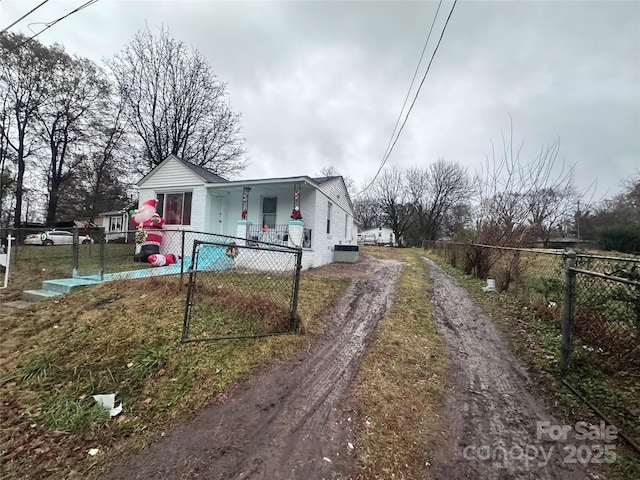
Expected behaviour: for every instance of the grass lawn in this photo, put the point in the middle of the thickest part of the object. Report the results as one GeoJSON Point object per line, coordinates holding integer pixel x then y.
{"type": "Point", "coordinates": [117, 337]}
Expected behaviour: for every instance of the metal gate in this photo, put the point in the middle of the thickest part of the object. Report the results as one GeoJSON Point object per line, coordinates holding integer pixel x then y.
{"type": "Point", "coordinates": [241, 289]}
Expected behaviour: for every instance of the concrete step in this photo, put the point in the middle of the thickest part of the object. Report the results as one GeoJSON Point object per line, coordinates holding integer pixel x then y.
{"type": "Point", "coordinates": [64, 285]}
{"type": "Point", "coordinates": [37, 295]}
{"type": "Point", "coordinates": [53, 288]}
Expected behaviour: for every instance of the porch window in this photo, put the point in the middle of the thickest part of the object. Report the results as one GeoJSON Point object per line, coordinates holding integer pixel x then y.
{"type": "Point", "coordinates": [175, 208]}
{"type": "Point", "coordinates": [269, 206]}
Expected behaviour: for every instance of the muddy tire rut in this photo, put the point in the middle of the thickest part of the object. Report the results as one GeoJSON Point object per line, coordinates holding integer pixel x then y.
{"type": "Point", "coordinates": [490, 411]}
{"type": "Point", "coordinates": [288, 421]}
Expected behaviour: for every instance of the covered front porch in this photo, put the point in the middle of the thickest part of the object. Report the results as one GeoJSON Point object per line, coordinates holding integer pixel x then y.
{"type": "Point", "coordinates": [280, 212]}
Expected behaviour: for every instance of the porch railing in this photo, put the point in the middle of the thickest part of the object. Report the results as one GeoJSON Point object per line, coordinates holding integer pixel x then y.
{"type": "Point", "coordinates": [278, 234]}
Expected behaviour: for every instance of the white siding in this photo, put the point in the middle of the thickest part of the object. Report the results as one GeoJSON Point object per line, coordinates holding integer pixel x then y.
{"type": "Point", "coordinates": [173, 175]}
{"type": "Point", "coordinates": [199, 204]}
{"type": "Point", "coordinates": [336, 190]}
{"type": "Point", "coordinates": [322, 241]}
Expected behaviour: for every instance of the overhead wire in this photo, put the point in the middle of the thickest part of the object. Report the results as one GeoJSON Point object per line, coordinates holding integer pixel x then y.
{"type": "Point", "coordinates": [52, 23]}
{"type": "Point", "coordinates": [389, 150]}
{"type": "Point", "coordinates": [415, 74]}
{"type": "Point", "coordinates": [24, 16]}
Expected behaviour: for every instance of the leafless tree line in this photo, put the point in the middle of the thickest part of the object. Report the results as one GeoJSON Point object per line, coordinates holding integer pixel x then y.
{"type": "Point", "coordinates": [78, 135]}
{"type": "Point", "coordinates": [509, 201]}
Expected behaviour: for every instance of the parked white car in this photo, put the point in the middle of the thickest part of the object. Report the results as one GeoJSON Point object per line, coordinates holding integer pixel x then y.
{"type": "Point", "coordinates": [55, 237]}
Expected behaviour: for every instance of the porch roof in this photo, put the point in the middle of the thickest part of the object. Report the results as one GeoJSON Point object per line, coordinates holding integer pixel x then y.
{"type": "Point", "coordinates": [314, 182]}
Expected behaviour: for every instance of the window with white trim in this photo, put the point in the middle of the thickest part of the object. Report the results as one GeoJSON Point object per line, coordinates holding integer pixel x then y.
{"type": "Point", "coordinates": [175, 208]}
{"type": "Point", "coordinates": [329, 205]}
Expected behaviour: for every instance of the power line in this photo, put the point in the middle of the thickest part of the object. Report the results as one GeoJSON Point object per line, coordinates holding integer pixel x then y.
{"type": "Point", "coordinates": [52, 23]}
{"type": "Point", "coordinates": [386, 157]}
{"type": "Point", "coordinates": [415, 74]}
{"type": "Point", "coordinates": [24, 16]}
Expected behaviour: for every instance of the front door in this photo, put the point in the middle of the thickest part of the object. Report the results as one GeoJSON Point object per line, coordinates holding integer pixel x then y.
{"type": "Point", "coordinates": [269, 206]}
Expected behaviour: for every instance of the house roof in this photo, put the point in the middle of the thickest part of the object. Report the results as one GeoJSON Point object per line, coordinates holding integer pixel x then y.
{"type": "Point", "coordinates": [322, 179]}
{"type": "Point", "coordinates": [303, 178]}
{"type": "Point", "coordinates": [206, 175]}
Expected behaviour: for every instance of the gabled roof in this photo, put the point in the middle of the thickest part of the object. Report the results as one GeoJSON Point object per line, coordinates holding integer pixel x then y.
{"type": "Point", "coordinates": [206, 175]}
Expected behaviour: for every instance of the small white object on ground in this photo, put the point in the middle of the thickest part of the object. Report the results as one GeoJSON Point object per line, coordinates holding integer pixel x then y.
{"type": "Point", "coordinates": [108, 401]}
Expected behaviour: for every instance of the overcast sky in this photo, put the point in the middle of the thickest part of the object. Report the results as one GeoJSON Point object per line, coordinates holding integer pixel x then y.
{"type": "Point", "coordinates": [323, 83]}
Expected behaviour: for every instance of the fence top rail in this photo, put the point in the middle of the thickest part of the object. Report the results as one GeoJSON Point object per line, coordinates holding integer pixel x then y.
{"type": "Point", "coordinates": [547, 252]}
{"type": "Point", "coordinates": [255, 245]}
{"type": "Point", "coordinates": [604, 257]}
{"type": "Point", "coordinates": [607, 277]}
{"type": "Point", "coordinates": [517, 249]}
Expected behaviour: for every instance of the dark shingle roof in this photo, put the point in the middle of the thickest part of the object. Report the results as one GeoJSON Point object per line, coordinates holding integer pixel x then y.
{"type": "Point", "coordinates": [319, 180]}
{"type": "Point", "coordinates": [207, 175]}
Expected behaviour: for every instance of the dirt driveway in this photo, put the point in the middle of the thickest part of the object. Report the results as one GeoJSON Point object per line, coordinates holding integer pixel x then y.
{"type": "Point", "coordinates": [491, 431]}
{"type": "Point", "coordinates": [287, 422]}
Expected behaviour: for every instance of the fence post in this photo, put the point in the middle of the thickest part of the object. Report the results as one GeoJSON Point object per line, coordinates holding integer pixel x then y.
{"type": "Point", "coordinates": [182, 258]}
{"type": "Point", "coordinates": [76, 254]}
{"type": "Point", "coordinates": [102, 243]}
{"type": "Point", "coordinates": [568, 309]}
{"type": "Point", "coordinates": [296, 289]}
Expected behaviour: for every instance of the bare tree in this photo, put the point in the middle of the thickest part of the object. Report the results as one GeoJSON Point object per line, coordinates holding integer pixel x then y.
{"type": "Point", "coordinates": [390, 192]}
{"type": "Point", "coordinates": [78, 94]}
{"type": "Point", "coordinates": [331, 171]}
{"type": "Point", "coordinates": [6, 162]}
{"type": "Point", "coordinates": [367, 212]}
{"type": "Point", "coordinates": [434, 191]}
{"type": "Point", "coordinates": [176, 105]}
{"type": "Point", "coordinates": [24, 80]}
{"type": "Point", "coordinates": [520, 201]}
{"type": "Point", "coordinates": [102, 178]}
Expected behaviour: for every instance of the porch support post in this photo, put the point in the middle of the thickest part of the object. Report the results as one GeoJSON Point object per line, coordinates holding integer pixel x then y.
{"type": "Point", "coordinates": [245, 202]}
{"type": "Point", "coordinates": [242, 230]}
{"type": "Point", "coordinates": [296, 230]}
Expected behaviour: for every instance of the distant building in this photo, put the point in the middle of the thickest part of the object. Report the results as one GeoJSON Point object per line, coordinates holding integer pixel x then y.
{"type": "Point", "coordinates": [377, 236]}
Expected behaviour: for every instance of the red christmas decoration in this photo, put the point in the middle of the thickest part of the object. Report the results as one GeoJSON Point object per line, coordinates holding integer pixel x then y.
{"type": "Point", "coordinates": [296, 215]}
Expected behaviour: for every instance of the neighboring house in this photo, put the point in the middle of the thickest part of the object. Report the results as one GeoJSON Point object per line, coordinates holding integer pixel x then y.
{"type": "Point", "coordinates": [116, 223]}
{"type": "Point", "coordinates": [377, 236]}
{"type": "Point", "coordinates": [193, 198]}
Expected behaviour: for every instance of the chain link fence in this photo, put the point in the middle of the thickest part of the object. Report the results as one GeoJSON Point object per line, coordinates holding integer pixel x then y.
{"type": "Point", "coordinates": [241, 291]}
{"type": "Point", "coordinates": [535, 275]}
{"type": "Point", "coordinates": [585, 309]}
{"type": "Point", "coordinates": [88, 252]}
{"type": "Point", "coordinates": [601, 338]}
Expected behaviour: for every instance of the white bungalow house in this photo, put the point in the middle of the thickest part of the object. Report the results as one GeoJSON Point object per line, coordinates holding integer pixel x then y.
{"type": "Point", "coordinates": [193, 198]}
{"type": "Point", "coordinates": [377, 236]}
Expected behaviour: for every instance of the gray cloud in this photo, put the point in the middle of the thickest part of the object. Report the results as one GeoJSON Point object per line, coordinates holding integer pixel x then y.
{"type": "Point", "coordinates": [320, 83]}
